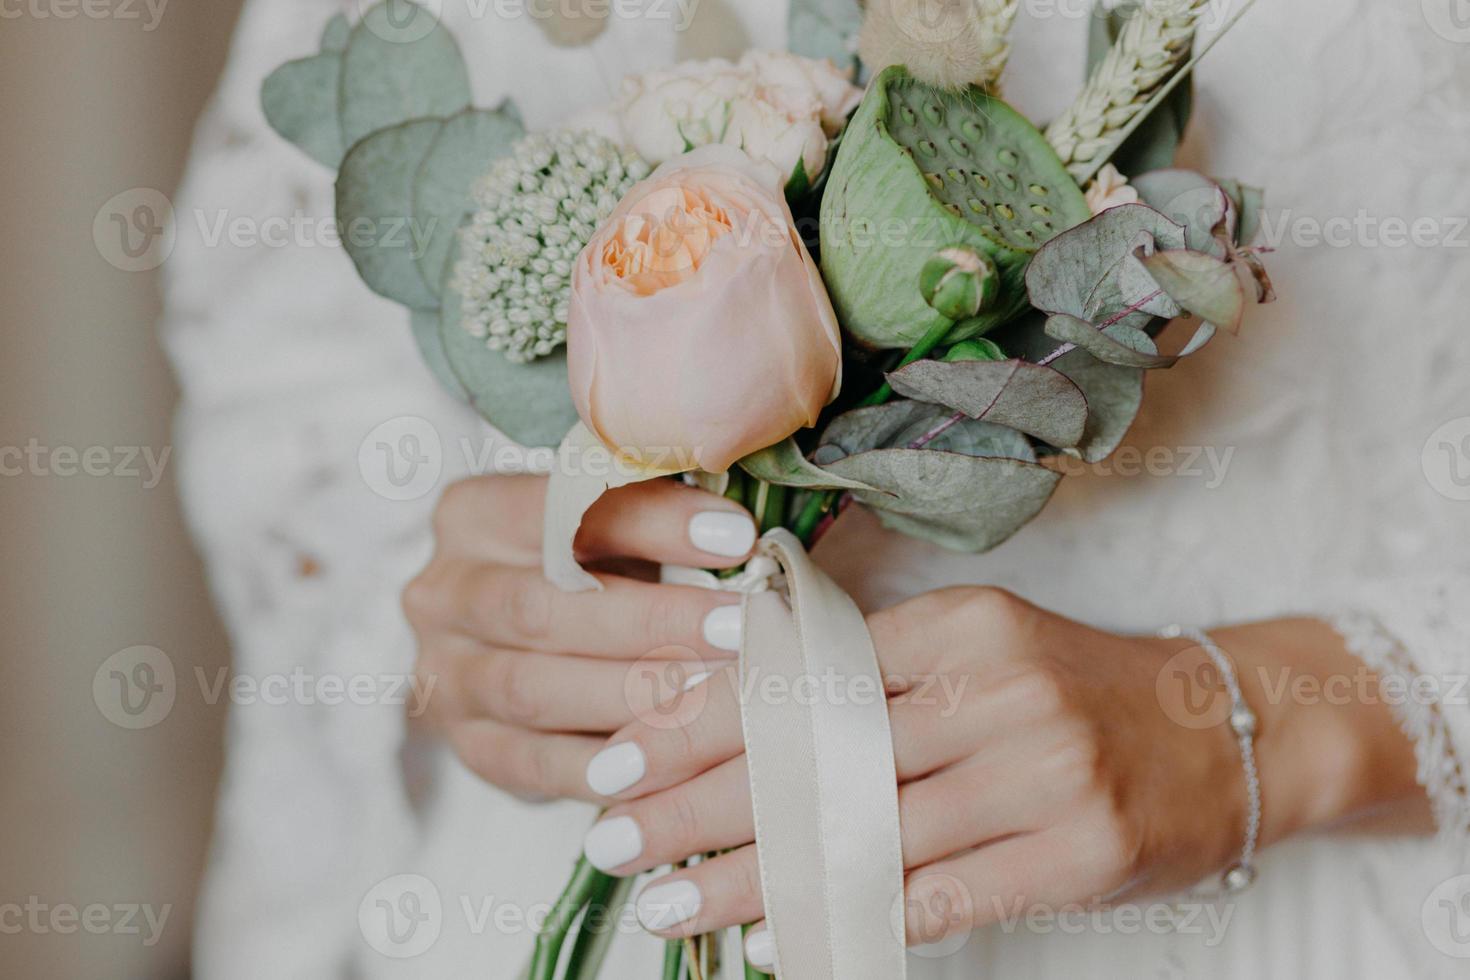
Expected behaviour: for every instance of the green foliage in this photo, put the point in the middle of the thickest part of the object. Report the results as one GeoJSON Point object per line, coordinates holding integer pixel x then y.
{"type": "Point", "coordinates": [442, 189]}
{"type": "Point", "coordinates": [300, 102]}
{"type": "Point", "coordinates": [1036, 400]}
{"type": "Point", "coordinates": [375, 207]}
{"type": "Point", "coordinates": [400, 64]}
{"type": "Point", "coordinates": [785, 465]}
{"type": "Point", "coordinates": [825, 29]}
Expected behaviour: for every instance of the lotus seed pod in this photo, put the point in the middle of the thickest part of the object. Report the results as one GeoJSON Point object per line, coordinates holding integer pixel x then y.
{"type": "Point", "coordinates": [959, 282]}
{"type": "Point", "coordinates": [922, 167]}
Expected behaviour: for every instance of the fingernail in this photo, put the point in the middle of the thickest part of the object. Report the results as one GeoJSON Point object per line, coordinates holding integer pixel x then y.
{"type": "Point", "coordinates": [662, 907]}
{"type": "Point", "coordinates": [723, 533]}
{"type": "Point", "coordinates": [760, 950]}
{"type": "Point", "coordinates": [616, 768]}
{"type": "Point", "coordinates": [613, 843]}
{"type": "Point", "coordinates": [697, 679]}
{"type": "Point", "coordinates": [722, 628]}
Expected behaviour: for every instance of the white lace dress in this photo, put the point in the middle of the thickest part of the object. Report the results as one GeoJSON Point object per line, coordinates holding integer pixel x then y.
{"type": "Point", "coordinates": [1304, 466]}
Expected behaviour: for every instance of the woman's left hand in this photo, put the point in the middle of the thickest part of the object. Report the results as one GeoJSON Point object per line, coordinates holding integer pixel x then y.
{"type": "Point", "coordinates": [1040, 762]}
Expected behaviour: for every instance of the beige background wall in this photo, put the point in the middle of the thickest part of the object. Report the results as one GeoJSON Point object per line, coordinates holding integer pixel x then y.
{"type": "Point", "coordinates": [92, 813]}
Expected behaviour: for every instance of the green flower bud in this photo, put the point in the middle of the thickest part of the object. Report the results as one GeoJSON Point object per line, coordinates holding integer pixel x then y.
{"type": "Point", "coordinates": [959, 283]}
{"type": "Point", "coordinates": [980, 349]}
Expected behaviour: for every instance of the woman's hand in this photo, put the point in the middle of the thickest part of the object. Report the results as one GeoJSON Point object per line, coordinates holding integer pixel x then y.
{"type": "Point", "coordinates": [1041, 762]}
{"type": "Point", "coordinates": [530, 680]}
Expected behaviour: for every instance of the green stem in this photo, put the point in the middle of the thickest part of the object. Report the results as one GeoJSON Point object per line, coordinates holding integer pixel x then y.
{"type": "Point", "coordinates": [553, 934]}
{"type": "Point", "coordinates": [819, 503]}
{"type": "Point", "coordinates": [597, 929]}
{"type": "Point", "coordinates": [673, 959]}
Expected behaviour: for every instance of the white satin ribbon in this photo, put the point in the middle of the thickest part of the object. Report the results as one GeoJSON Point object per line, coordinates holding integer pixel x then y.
{"type": "Point", "coordinates": [822, 777]}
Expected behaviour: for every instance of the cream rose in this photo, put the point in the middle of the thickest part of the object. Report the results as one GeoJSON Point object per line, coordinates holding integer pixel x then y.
{"type": "Point", "coordinates": [774, 105]}
{"type": "Point", "coordinates": [699, 328]}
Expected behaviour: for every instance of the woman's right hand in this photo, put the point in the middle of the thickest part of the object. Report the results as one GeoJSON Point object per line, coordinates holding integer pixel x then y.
{"type": "Point", "coordinates": [528, 681]}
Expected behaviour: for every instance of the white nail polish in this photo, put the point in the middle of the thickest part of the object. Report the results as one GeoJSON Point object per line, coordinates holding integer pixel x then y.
{"type": "Point", "coordinates": [760, 950]}
{"type": "Point", "coordinates": [613, 843]}
{"type": "Point", "coordinates": [616, 768]}
{"type": "Point", "coordinates": [697, 679]}
{"type": "Point", "coordinates": [723, 533]}
{"type": "Point", "coordinates": [722, 628]}
{"type": "Point", "coordinates": [662, 907]}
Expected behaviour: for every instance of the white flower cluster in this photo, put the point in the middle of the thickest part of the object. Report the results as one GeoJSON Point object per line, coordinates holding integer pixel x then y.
{"type": "Point", "coordinates": [538, 208]}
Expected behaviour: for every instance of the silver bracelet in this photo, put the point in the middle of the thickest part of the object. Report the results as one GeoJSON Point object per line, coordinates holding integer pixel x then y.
{"type": "Point", "coordinates": [1242, 874]}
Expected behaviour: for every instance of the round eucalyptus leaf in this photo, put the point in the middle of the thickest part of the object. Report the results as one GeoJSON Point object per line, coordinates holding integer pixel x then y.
{"type": "Point", "coordinates": [967, 503]}
{"type": "Point", "coordinates": [336, 34]}
{"type": "Point", "coordinates": [785, 465]}
{"type": "Point", "coordinates": [1034, 399]}
{"type": "Point", "coordinates": [1114, 393]}
{"type": "Point", "coordinates": [375, 211]}
{"type": "Point", "coordinates": [300, 102]}
{"type": "Point", "coordinates": [461, 154]}
{"type": "Point", "coordinates": [400, 64]}
{"type": "Point", "coordinates": [1105, 345]}
{"type": "Point", "coordinates": [430, 339]}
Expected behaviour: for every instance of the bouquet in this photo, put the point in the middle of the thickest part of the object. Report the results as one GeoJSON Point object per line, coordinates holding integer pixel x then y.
{"type": "Point", "coordinates": [797, 291]}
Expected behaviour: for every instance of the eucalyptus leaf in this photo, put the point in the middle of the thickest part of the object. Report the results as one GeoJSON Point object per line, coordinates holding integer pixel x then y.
{"type": "Point", "coordinates": [1202, 284]}
{"type": "Point", "coordinates": [1195, 201]}
{"type": "Point", "coordinates": [967, 503]}
{"type": "Point", "coordinates": [1036, 400]}
{"type": "Point", "coordinates": [1104, 344]}
{"type": "Point", "coordinates": [825, 29]}
{"type": "Point", "coordinates": [785, 465]}
{"type": "Point", "coordinates": [530, 403]}
{"type": "Point", "coordinates": [901, 424]}
{"type": "Point", "coordinates": [400, 64]}
{"type": "Point", "coordinates": [336, 33]}
{"type": "Point", "coordinates": [461, 153]}
{"type": "Point", "coordinates": [1114, 393]}
{"type": "Point", "coordinates": [1248, 203]}
{"type": "Point", "coordinates": [375, 210]}
{"type": "Point", "coordinates": [1066, 272]}
{"type": "Point", "coordinates": [426, 334]}
{"type": "Point", "coordinates": [300, 102]}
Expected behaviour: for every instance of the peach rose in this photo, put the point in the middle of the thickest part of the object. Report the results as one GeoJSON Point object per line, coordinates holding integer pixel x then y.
{"type": "Point", "coordinates": [699, 328]}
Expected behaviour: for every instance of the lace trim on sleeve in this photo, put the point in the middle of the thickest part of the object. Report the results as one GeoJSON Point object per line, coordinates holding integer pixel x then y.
{"type": "Point", "coordinates": [1419, 636]}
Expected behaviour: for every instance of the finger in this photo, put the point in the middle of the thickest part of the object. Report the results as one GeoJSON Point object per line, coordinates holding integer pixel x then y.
{"type": "Point", "coordinates": [713, 895]}
{"type": "Point", "coordinates": [760, 948]}
{"type": "Point", "coordinates": [667, 522]}
{"type": "Point", "coordinates": [657, 752]}
{"type": "Point", "coordinates": [525, 763]}
{"type": "Point", "coordinates": [514, 607]}
{"type": "Point", "coordinates": [952, 898]}
{"type": "Point", "coordinates": [492, 518]}
{"type": "Point", "coordinates": [556, 693]}
{"type": "Point", "coordinates": [943, 719]}
{"type": "Point", "coordinates": [711, 812]}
